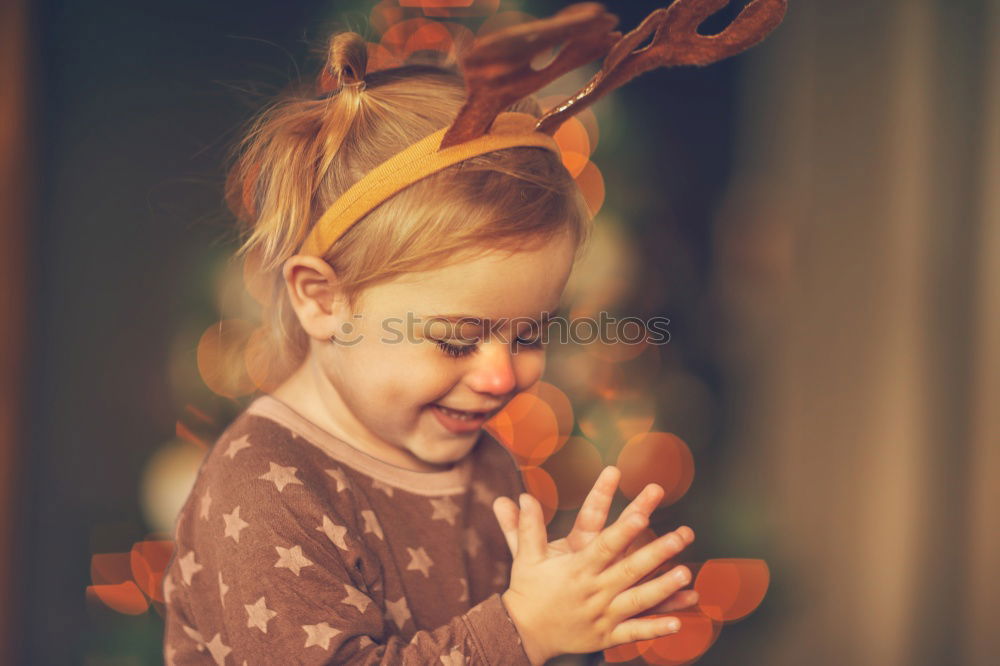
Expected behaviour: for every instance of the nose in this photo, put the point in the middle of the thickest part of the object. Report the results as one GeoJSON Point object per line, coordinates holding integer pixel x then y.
{"type": "Point", "coordinates": [493, 370]}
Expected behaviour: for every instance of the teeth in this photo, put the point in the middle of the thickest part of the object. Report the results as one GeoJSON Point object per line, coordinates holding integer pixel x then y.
{"type": "Point", "coordinates": [464, 416]}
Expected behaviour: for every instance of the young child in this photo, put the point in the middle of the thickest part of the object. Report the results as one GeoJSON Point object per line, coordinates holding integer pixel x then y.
{"type": "Point", "coordinates": [357, 513]}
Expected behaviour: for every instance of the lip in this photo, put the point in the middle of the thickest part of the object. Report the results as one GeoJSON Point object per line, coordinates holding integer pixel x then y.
{"type": "Point", "coordinates": [459, 426]}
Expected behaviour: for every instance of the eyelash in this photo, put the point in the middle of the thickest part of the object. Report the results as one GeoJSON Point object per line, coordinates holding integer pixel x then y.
{"type": "Point", "coordinates": [458, 351]}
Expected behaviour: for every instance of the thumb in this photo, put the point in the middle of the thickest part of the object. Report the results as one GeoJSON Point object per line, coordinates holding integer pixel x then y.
{"type": "Point", "coordinates": [506, 513]}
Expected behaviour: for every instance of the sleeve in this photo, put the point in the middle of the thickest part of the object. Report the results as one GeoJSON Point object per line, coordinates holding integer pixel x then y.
{"type": "Point", "coordinates": [276, 574]}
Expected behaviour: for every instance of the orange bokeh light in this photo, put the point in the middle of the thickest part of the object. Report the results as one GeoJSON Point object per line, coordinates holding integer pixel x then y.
{"type": "Point", "coordinates": [585, 117]}
{"type": "Point", "coordinates": [729, 589]}
{"type": "Point", "coordinates": [591, 184]}
{"type": "Point", "coordinates": [380, 57]}
{"type": "Point", "coordinates": [561, 406]}
{"type": "Point", "coordinates": [696, 635]}
{"type": "Point", "coordinates": [263, 366]}
{"type": "Point", "coordinates": [622, 653]}
{"type": "Point", "coordinates": [572, 135]}
{"type": "Point", "coordinates": [574, 468]}
{"type": "Point", "coordinates": [528, 427]}
{"type": "Point", "coordinates": [656, 457]}
{"type": "Point", "coordinates": [403, 38]}
{"type": "Point", "coordinates": [110, 568]}
{"type": "Point", "coordinates": [384, 15]}
{"type": "Point", "coordinates": [542, 487]}
{"type": "Point", "coordinates": [220, 357]}
{"type": "Point", "coordinates": [149, 560]}
{"type": "Point", "coordinates": [622, 415]}
{"type": "Point", "coordinates": [124, 597]}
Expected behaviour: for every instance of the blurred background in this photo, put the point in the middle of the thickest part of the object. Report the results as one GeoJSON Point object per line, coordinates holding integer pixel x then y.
{"type": "Point", "coordinates": [819, 219]}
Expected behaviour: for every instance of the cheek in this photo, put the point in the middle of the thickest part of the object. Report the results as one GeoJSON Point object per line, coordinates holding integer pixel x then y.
{"type": "Point", "coordinates": [528, 368]}
{"type": "Point", "coordinates": [410, 373]}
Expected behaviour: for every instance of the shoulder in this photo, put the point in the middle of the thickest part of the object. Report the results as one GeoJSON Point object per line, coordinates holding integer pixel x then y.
{"type": "Point", "coordinates": [259, 467]}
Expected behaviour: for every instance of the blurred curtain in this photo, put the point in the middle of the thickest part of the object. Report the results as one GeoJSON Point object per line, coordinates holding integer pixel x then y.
{"type": "Point", "coordinates": [14, 196]}
{"type": "Point", "coordinates": [859, 253]}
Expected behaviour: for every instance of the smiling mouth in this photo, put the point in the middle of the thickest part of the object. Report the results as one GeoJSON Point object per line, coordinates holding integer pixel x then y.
{"type": "Point", "coordinates": [462, 415]}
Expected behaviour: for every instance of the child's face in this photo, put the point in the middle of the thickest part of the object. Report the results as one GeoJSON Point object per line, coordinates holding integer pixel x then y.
{"type": "Point", "coordinates": [381, 385]}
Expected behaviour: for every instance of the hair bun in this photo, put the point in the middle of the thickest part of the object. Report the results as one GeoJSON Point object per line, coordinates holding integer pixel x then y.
{"type": "Point", "coordinates": [346, 62]}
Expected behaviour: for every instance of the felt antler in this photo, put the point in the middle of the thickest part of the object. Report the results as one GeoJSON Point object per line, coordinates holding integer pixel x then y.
{"type": "Point", "coordinates": [498, 71]}
{"type": "Point", "coordinates": [675, 42]}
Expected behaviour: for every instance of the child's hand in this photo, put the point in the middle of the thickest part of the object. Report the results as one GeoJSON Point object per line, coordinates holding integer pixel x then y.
{"type": "Point", "coordinates": [590, 520]}
{"type": "Point", "coordinates": [572, 602]}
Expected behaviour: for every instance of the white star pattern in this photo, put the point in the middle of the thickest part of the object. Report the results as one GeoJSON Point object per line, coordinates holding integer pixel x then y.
{"type": "Point", "coordinates": [399, 611]}
{"type": "Point", "coordinates": [234, 524]}
{"type": "Point", "coordinates": [444, 509]}
{"type": "Point", "coordinates": [223, 588]}
{"type": "Point", "coordinates": [378, 485]}
{"type": "Point", "coordinates": [170, 652]}
{"type": "Point", "coordinates": [206, 501]}
{"type": "Point", "coordinates": [472, 541]}
{"type": "Point", "coordinates": [258, 614]}
{"type": "Point", "coordinates": [195, 635]}
{"type": "Point", "coordinates": [372, 524]}
{"type": "Point", "coordinates": [280, 475]}
{"type": "Point", "coordinates": [455, 658]}
{"type": "Point", "coordinates": [188, 567]}
{"type": "Point", "coordinates": [483, 493]}
{"type": "Point", "coordinates": [356, 598]}
{"type": "Point", "coordinates": [465, 590]}
{"type": "Point", "coordinates": [365, 641]}
{"type": "Point", "coordinates": [236, 446]}
{"type": "Point", "coordinates": [218, 650]}
{"type": "Point", "coordinates": [168, 587]}
{"type": "Point", "coordinates": [334, 532]}
{"type": "Point", "coordinates": [341, 478]}
{"type": "Point", "coordinates": [292, 559]}
{"type": "Point", "coordinates": [319, 634]}
{"type": "Point", "coordinates": [419, 560]}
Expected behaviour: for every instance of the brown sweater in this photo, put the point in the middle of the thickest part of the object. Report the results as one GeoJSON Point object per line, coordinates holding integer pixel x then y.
{"type": "Point", "coordinates": [296, 548]}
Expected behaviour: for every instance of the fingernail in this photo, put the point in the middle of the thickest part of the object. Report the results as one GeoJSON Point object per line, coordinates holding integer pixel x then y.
{"type": "Point", "coordinates": [673, 624]}
{"type": "Point", "coordinates": [520, 500]}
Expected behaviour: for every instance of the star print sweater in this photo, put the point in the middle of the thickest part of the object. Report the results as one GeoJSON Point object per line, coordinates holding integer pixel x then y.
{"type": "Point", "coordinates": [293, 547]}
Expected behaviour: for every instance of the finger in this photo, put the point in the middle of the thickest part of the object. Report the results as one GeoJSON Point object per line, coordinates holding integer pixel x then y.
{"type": "Point", "coordinates": [628, 570]}
{"type": "Point", "coordinates": [634, 600]}
{"type": "Point", "coordinates": [593, 514]}
{"type": "Point", "coordinates": [646, 501]}
{"type": "Point", "coordinates": [679, 600]}
{"type": "Point", "coordinates": [531, 535]}
{"type": "Point", "coordinates": [610, 542]}
{"type": "Point", "coordinates": [505, 511]}
{"type": "Point", "coordinates": [641, 629]}
{"type": "Point", "coordinates": [685, 533]}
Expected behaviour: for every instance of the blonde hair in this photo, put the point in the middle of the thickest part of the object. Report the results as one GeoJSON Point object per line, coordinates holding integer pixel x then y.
{"type": "Point", "coordinates": [303, 151]}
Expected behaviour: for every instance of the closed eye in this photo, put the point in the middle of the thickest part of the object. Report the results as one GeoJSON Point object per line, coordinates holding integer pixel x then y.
{"type": "Point", "coordinates": [455, 351]}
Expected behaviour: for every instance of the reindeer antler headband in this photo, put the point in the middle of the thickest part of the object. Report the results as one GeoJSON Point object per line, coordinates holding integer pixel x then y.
{"type": "Point", "coordinates": [497, 71]}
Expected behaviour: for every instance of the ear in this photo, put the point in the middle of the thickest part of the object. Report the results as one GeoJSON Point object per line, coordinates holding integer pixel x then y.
{"type": "Point", "coordinates": [315, 295]}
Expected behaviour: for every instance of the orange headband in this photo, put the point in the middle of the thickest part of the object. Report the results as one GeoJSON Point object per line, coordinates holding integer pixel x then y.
{"type": "Point", "coordinates": [421, 159]}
